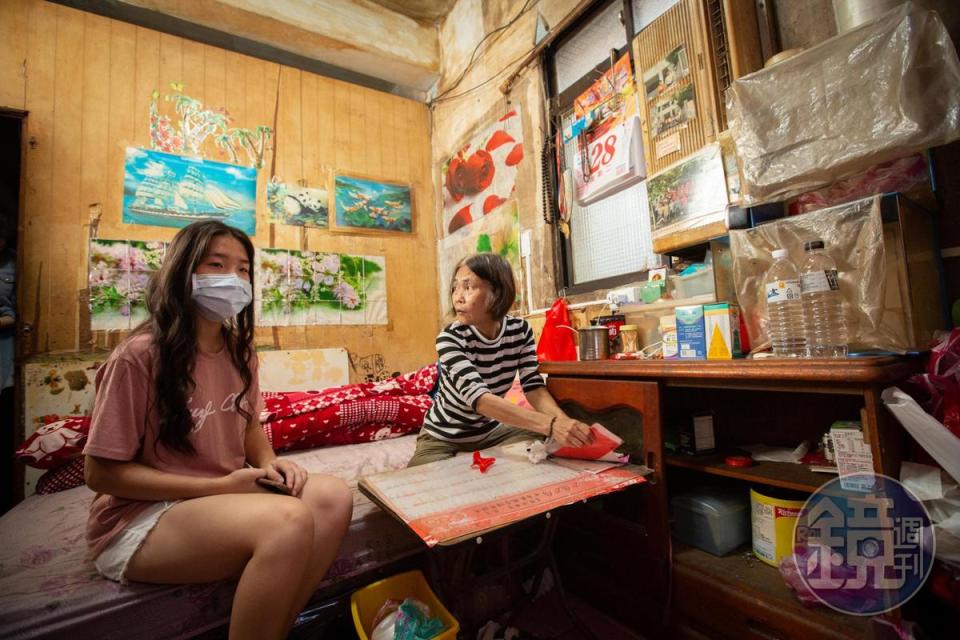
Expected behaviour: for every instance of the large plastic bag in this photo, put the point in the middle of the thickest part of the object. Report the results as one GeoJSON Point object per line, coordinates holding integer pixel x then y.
{"type": "Point", "coordinates": [938, 390]}
{"type": "Point", "coordinates": [878, 92]}
{"type": "Point", "coordinates": [556, 340]}
{"type": "Point", "coordinates": [853, 236]}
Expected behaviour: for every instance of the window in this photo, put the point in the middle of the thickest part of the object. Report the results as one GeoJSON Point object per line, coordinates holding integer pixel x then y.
{"type": "Point", "coordinates": [609, 241]}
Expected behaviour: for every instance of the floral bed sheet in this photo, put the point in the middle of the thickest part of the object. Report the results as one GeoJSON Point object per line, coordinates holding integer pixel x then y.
{"type": "Point", "coordinates": [50, 589]}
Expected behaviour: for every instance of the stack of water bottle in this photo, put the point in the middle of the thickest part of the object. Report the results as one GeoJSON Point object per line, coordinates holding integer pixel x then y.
{"type": "Point", "coordinates": [805, 306]}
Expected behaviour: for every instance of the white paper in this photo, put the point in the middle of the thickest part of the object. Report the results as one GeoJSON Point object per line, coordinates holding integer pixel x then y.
{"type": "Point", "coordinates": [941, 444]}
{"type": "Point", "coordinates": [922, 479]}
{"type": "Point", "coordinates": [764, 453]}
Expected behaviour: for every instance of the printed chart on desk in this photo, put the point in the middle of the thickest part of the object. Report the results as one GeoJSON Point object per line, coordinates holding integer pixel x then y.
{"type": "Point", "coordinates": [447, 500]}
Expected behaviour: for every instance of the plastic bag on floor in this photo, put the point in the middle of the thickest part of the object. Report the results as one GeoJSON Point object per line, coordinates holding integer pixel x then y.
{"type": "Point", "coordinates": [410, 621]}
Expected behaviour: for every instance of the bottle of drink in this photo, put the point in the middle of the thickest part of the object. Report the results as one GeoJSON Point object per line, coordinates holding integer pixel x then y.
{"type": "Point", "coordinates": [826, 330]}
{"type": "Point", "coordinates": [784, 307]}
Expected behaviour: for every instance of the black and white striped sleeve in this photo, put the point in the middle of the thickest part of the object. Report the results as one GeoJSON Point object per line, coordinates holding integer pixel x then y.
{"type": "Point", "coordinates": [466, 379]}
{"type": "Point", "coordinates": [529, 367]}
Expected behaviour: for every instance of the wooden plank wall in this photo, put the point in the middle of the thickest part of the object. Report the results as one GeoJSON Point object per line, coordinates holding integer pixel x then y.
{"type": "Point", "coordinates": [86, 81]}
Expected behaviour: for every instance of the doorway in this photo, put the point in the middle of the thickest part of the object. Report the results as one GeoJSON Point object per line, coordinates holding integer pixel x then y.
{"type": "Point", "coordinates": [11, 154]}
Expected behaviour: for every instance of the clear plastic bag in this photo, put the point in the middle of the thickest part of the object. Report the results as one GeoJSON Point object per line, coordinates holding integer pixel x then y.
{"type": "Point", "coordinates": [854, 234]}
{"type": "Point", "coordinates": [878, 92]}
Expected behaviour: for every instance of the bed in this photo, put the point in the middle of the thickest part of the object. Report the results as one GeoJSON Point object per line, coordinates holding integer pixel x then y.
{"type": "Point", "coordinates": [49, 588]}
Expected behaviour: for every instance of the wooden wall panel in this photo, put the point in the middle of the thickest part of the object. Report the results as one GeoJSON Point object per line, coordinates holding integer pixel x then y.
{"type": "Point", "coordinates": [87, 89]}
{"type": "Point", "coordinates": [14, 20]}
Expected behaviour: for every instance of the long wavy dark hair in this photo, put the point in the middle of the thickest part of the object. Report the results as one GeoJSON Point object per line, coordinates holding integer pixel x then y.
{"type": "Point", "coordinates": [172, 326]}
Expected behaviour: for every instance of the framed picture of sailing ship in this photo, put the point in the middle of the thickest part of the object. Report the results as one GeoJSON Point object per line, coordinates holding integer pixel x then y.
{"type": "Point", "coordinates": [370, 205]}
{"type": "Point", "coordinates": [166, 190]}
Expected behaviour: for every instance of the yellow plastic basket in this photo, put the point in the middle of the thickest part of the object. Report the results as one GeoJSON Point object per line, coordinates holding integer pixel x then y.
{"type": "Point", "coordinates": [366, 602]}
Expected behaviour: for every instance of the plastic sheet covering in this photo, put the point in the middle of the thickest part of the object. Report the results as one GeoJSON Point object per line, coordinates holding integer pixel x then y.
{"type": "Point", "coordinates": [886, 89]}
{"type": "Point", "coordinates": [853, 235]}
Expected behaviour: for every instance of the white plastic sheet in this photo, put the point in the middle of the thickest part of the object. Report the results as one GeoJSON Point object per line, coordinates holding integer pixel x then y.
{"type": "Point", "coordinates": [878, 92]}
{"type": "Point", "coordinates": [943, 446]}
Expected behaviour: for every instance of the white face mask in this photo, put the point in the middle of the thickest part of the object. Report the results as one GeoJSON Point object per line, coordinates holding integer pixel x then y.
{"type": "Point", "coordinates": [221, 297]}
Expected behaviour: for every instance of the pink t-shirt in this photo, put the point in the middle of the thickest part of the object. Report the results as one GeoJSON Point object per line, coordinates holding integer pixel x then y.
{"type": "Point", "coordinates": [121, 428]}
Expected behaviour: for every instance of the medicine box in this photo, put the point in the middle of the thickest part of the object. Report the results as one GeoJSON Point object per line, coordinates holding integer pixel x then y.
{"type": "Point", "coordinates": [697, 436]}
{"type": "Point", "coordinates": [668, 337]}
{"type": "Point", "coordinates": [714, 519]}
{"type": "Point", "coordinates": [722, 327]}
{"type": "Point", "coordinates": [691, 337]}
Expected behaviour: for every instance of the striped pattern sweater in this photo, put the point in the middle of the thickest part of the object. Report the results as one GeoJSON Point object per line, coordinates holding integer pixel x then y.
{"type": "Point", "coordinates": [470, 366]}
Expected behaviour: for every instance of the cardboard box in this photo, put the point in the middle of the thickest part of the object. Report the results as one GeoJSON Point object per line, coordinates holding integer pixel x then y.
{"type": "Point", "coordinates": [722, 327]}
{"type": "Point", "coordinates": [691, 336]}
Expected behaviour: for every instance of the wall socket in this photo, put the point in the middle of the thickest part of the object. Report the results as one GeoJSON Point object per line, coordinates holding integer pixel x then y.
{"type": "Point", "coordinates": [625, 295]}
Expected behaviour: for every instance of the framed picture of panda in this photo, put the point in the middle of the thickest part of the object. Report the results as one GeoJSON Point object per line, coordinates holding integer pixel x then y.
{"type": "Point", "coordinates": [298, 204]}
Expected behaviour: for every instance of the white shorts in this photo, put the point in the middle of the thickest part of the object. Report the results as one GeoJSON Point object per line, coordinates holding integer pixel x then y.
{"type": "Point", "coordinates": [113, 560]}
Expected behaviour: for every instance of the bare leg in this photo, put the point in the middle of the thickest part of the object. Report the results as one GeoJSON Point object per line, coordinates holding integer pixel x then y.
{"type": "Point", "coordinates": [260, 538]}
{"type": "Point", "coordinates": [330, 501]}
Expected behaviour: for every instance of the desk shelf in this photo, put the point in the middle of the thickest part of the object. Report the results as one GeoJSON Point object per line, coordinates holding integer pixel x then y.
{"type": "Point", "coordinates": [740, 577]}
{"type": "Point", "coordinates": [776, 474]}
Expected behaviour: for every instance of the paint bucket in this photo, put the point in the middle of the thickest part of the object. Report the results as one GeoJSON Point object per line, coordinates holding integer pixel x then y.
{"type": "Point", "coordinates": [773, 520]}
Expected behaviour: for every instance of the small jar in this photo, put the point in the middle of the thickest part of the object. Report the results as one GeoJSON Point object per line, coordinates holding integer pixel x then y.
{"type": "Point", "coordinates": [630, 337]}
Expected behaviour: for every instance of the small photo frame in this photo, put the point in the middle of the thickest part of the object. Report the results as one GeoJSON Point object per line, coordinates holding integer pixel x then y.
{"type": "Point", "coordinates": [363, 205]}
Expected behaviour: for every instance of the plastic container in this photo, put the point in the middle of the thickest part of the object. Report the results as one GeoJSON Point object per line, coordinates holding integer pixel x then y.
{"type": "Point", "coordinates": [716, 520]}
{"type": "Point", "coordinates": [784, 308]}
{"type": "Point", "coordinates": [366, 602]}
{"type": "Point", "coordinates": [772, 521]}
{"type": "Point", "coordinates": [695, 284]}
{"type": "Point", "coordinates": [651, 291]}
{"type": "Point", "coordinates": [826, 329]}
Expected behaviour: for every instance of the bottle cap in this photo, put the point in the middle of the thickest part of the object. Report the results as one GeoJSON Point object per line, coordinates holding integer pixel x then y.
{"type": "Point", "coordinates": [813, 245]}
{"type": "Point", "coordinates": [779, 253]}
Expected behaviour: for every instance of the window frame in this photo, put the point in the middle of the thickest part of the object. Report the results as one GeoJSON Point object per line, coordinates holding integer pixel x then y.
{"type": "Point", "coordinates": [557, 104]}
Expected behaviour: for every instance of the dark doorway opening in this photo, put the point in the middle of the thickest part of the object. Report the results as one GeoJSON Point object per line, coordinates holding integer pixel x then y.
{"type": "Point", "coordinates": [11, 128]}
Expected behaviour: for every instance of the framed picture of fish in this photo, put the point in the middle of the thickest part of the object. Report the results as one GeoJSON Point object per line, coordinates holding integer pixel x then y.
{"type": "Point", "coordinates": [365, 205]}
{"type": "Point", "coordinates": [165, 190]}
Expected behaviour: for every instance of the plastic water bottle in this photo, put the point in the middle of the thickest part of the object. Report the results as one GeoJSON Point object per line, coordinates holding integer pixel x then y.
{"type": "Point", "coordinates": [822, 304]}
{"type": "Point", "coordinates": [784, 307]}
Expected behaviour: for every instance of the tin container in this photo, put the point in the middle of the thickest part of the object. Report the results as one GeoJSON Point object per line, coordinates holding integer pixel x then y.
{"type": "Point", "coordinates": [594, 343]}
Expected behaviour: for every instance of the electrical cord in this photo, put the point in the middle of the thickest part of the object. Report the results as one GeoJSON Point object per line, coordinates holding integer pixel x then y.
{"type": "Point", "coordinates": [527, 6]}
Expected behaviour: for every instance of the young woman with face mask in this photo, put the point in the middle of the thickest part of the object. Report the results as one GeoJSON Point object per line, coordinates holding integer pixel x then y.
{"type": "Point", "coordinates": [480, 355]}
{"type": "Point", "coordinates": [177, 456]}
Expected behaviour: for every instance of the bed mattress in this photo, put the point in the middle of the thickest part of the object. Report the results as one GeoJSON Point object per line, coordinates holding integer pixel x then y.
{"type": "Point", "coordinates": [49, 588]}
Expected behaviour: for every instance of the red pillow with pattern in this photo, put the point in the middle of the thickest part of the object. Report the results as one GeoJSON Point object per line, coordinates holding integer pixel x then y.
{"type": "Point", "coordinates": [64, 477]}
{"type": "Point", "coordinates": [56, 443]}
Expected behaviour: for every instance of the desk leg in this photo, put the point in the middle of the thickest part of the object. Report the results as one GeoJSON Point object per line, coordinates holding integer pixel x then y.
{"type": "Point", "coordinates": [450, 573]}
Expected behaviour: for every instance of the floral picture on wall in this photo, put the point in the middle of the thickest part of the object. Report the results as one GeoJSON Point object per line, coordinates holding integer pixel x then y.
{"type": "Point", "coordinates": [165, 190]}
{"type": "Point", "coordinates": [295, 288]}
{"type": "Point", "coordinates": [371, 205]}
{"type": "Point", "coordinates": [299, 206]}
{"type": "Point", "coordinates": [118, 274]}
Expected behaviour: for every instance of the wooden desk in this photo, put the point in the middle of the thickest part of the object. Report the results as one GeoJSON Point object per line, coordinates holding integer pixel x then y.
{"type": "Point", "coordinates": [469, 505]}
{"type": "Point", "coordinates": [774, 402]}
{"type": "Point", "coordinates": [447, 502]}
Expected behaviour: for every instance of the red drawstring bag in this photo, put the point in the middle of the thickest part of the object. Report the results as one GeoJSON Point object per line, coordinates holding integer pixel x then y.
{"type": "Point", "coordinates": [556, 341]}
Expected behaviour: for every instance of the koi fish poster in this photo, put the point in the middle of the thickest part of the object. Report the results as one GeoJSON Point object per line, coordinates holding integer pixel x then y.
{"type": "Point", "coordinates": [166, 190]}
{"type": "Point", "coordinates": [481, 176]}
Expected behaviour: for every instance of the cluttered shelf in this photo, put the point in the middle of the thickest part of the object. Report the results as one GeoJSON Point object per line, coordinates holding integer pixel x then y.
{"type": "Point", "coordinates": [742, 575]}
{"type": "Point", "coordinates": [777, 474]}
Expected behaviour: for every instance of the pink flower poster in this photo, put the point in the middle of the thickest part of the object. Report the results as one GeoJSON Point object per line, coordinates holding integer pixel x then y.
{"type": "Point", "coordinates": [482, 174]}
